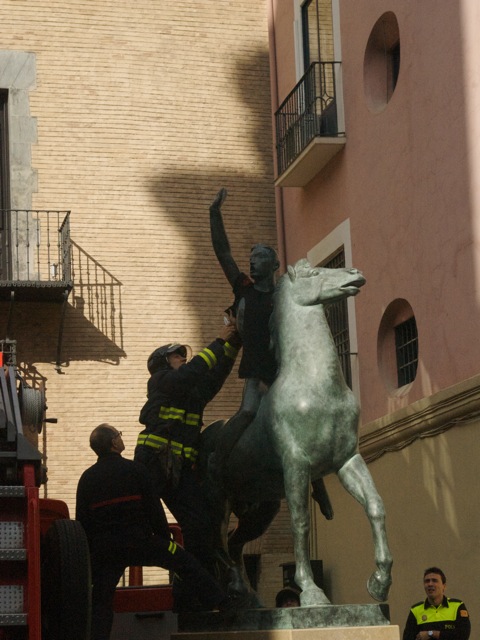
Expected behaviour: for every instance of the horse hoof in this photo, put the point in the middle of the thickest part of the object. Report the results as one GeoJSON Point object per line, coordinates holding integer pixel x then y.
{"type": "Point", "coordinates": [313, 597]}
{"type": "Point", "coordinates": [379, 587]}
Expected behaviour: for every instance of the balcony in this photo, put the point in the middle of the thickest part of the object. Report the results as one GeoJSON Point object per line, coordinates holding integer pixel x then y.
{"type": "Point", "coordinates": [309, 126]}
{"type": "Point", "coordinates": [35, 255]}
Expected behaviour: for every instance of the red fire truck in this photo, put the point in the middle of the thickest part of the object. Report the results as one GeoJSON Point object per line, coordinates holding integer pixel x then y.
{"type": "Point", "coordinates": [45, 586]}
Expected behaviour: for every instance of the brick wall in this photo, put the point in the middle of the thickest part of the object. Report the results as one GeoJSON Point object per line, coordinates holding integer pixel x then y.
{"type": "Point", "coordinates": [143, 111]}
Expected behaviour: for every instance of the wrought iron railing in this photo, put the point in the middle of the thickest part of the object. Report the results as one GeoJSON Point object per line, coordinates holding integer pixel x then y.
{"type": "Point", "coordinates": [309, 110]}
{"type": "Point", "coordinates": [35, 246]}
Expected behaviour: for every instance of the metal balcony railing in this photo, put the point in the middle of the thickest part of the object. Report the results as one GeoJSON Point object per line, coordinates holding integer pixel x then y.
{"type": "Point", "coordinates": [309, 110]}
{"type": "Point", "coordinates": [35, 248]}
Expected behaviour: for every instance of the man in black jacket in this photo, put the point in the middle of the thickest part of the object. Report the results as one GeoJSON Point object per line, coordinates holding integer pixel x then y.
{"type": "Point", "coordinates": [126, 526]}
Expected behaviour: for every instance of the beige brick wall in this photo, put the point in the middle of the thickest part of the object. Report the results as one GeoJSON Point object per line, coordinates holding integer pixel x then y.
{"type": "Point", "coordinates": [143, 110]}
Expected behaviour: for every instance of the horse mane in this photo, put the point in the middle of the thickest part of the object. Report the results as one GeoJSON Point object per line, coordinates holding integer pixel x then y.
{"type": "Point", "coordinates": [301, 269]}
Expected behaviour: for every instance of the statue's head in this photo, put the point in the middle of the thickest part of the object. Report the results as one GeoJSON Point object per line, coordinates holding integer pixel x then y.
{"type": "Point", "coordinates": [263, 262]}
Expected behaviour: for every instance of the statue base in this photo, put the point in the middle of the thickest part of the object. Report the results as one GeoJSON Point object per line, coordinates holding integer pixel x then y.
{"type": "Point", "coordinates": [323, 622]}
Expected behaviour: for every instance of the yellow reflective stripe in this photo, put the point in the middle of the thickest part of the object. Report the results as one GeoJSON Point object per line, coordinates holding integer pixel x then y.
{"type": "Point", "coordinates": [230, 351]}
{"type": "Point", "coordinates": [172, 547]}
{"type": "Point", "coordinates": [192, 419]}
{"type": "Point", "coordinates": [172, 413]}
{"type": "Point", "coordinates": [209, 357]}
{"type": "Point", "coordinates": [151, 440]}
{"type": "Point", "coordinates": [190, 453]}
{"type": "Point", "coordinates": [177, 447]}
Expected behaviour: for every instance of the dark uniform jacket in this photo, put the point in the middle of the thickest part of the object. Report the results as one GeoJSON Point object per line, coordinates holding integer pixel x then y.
{"type": "Point", "coordinates": [116, 504]}
{"type": "Point", "coordinates": [173, 413]}
{"type": "Point", "coordinates": [450, 618]}
{"type": "Point", "coordinates": [258, 359]}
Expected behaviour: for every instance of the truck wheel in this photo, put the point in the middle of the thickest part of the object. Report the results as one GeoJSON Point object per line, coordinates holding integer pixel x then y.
{"type": "Point", "coordinates": [32, 408]}
{"type": "Point", "coordinates": [66, 582]}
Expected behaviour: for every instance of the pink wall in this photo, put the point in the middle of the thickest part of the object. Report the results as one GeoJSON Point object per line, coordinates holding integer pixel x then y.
{"type": "Point", "coordinates": [404, 182]}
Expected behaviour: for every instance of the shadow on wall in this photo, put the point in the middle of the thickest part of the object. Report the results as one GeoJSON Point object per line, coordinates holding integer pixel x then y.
{"type": "Point", "coordinates": [184, 195]}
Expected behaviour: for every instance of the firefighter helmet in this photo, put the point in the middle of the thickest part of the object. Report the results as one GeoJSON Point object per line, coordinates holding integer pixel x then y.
{"type": "Point", "coordinates": [158, 359]}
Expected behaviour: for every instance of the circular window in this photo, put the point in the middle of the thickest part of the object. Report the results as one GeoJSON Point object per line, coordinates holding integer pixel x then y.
{"type": "Point", "coordinates": [381, 64]}
{"type": "Point", "coordinates": [397, 347]}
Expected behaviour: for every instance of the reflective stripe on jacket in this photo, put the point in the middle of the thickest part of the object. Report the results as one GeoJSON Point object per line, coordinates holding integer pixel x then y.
{"type": "Point", "coordinates": [156, 442]}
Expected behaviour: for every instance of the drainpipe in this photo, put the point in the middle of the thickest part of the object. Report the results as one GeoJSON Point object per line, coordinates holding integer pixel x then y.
{"type": "Point", "coordinates": [279, 203]}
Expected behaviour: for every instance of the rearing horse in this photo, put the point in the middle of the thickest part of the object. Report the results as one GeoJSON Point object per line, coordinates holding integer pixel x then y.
{"type": "Point", "coordinates": [306, 428]}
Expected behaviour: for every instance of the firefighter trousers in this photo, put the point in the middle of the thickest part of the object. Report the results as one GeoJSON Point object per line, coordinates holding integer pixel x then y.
{"type": "Point", "coordinates": [108, 565]}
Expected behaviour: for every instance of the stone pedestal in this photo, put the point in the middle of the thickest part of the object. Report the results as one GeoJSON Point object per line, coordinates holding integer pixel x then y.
{"type": "Point", "coordinates": [337, 633]}
{"type": "Point", "coordinates": [325, 622]}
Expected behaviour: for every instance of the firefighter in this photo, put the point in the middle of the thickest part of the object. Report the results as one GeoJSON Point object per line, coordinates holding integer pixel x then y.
{"type": "Point", "coordinates": [437, 616]}
{"type": "Point", "coordinates": [126, 526]}
{"type": "Point", "coordinates": [178, 391]}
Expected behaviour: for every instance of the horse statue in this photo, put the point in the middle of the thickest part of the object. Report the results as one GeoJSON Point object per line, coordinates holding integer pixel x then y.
{"type": "Point", "coordinates": [306, 428]}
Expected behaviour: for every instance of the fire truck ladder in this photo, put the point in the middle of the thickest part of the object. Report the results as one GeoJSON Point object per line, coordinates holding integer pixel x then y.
{"type": "Point", "coordinates": [19, 520]}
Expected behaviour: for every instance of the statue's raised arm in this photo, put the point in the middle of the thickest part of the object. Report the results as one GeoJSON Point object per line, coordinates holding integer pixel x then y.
{"type": "Point", "coordinates": [220, 242]}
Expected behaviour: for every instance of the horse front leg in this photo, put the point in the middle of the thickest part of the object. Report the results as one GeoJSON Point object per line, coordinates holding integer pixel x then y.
{"type": "Point", "coordinates": [297, 483]}
{"type": "Point", "coordinates": [357, 480]}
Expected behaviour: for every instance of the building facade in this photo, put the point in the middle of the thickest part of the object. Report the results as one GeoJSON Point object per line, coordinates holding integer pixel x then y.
{"type": "Point", "coordinates": [377, 127]}
{"type": "Point", "coordinates": [124, 120]}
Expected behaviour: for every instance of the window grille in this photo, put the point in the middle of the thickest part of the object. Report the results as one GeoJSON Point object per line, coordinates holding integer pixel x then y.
{"type": "Point", "coordinates": [337, 318]}
{"type": "Point", "coordinates": [406, 346]}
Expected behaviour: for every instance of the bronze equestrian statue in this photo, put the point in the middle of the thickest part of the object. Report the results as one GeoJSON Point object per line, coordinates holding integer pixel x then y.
{"type": "Point", "coordinates": [306, 427]}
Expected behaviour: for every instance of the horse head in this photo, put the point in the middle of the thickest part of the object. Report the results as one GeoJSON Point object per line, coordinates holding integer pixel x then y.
{"type": "Point", "coordinates": [319, 285]}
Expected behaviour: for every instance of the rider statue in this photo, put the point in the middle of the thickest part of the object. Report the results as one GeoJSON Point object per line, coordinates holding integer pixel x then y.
{"type": "Point", "coordinates": [252, 308]}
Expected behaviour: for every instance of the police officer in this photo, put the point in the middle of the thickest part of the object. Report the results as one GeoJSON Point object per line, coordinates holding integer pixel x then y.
{"type": "Point", "coordinates": [126, 526]}
{"type": "Point", "coordinates": [437, 616]}
{"type": "Point", "coordinates": [178, 391]}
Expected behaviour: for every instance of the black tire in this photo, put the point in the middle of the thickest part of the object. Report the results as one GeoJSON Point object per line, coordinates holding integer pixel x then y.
{"type": "Point", "coordinates": [32, 407]}
{"type": "Point", "coordinates": [66, 583]}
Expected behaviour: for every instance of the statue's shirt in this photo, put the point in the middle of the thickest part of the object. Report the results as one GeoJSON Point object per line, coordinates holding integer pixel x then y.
{"type": "Point", "coordinates": [258, 360]}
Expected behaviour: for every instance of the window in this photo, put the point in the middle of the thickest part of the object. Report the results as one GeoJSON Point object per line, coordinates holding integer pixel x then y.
{"type": "Point", "coordinates": [381, 65]}
{"type": "Point", "coordinates": [337, 318]}
{"type": "Point", "coordinates": [406, 348]}
{"type": "Point", "coordinates": [4, 182]}
{"type": "Point", "coordinates": [317, 32]}
{"type": "Point", "coordinates": [17, 176]}
{"type": "Point", "coordinates": [4, 190]}
{"type": "Point", "coordinates": [397, 346]}
{"type": "Point", "coordinates": [335, 251]}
